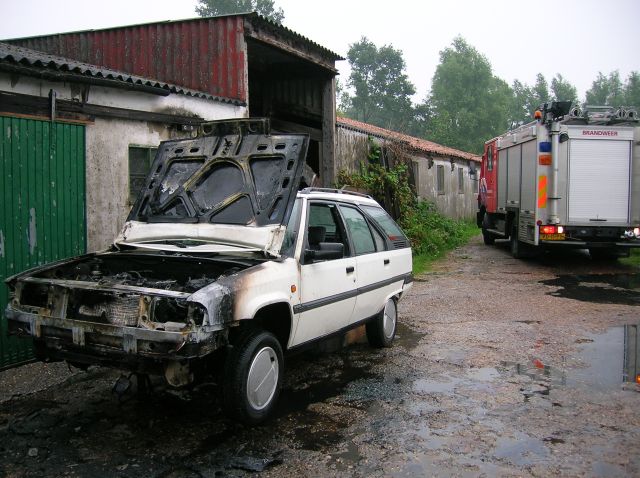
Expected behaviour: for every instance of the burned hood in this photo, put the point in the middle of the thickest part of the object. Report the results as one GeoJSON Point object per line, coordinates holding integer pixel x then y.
{"type": "Point", "coordinates": [233, 186]}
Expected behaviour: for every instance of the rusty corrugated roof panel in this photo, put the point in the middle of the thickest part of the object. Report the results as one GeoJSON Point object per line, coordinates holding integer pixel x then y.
{"type": "Point", "coordinates": [414, 143]}
{"type": "Point", "coordinates": [207, 55]}
{"type": "Point", "coordinates": [13, 57]}
{"type": "Point", "coordinates": [201, 54]}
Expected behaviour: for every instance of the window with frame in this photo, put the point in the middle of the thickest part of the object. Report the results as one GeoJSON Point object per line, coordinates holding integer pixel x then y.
{"type": "Point", "coordinates": [361, 236]}
{"type": "Point", "coordinates": [440, 179]}
{"type": "Point", "coordinates": [325, 225]}
{"type": "Point", "coordinates": [140, 159]}
{"type": "Point", "coordinates": [460, 180]}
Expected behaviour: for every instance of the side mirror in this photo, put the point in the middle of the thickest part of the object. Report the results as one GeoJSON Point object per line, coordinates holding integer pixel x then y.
{"type": "Point", "coordinates": [327, 251]}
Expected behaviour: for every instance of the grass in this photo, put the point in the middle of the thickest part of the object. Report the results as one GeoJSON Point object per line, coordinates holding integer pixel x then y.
{"type": "Point", "coordinates": [633, 259]}
{"type": "Point", "coordinates": [433, 235]}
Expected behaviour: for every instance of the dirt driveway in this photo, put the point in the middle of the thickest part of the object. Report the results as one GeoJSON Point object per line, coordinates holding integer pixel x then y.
{"type": "Point", "coordinates": [501, 368]}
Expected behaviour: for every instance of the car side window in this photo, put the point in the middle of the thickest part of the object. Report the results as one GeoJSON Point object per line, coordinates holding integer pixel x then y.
{"type": "Point", "coordinates": [363, 241]}
{"type": "Point", "coordinates": [325, 226]}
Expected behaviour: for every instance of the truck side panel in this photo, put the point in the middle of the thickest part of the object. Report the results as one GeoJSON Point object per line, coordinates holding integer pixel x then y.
{"type": "Point", "coordinates": [514, 167]}
{"type": "Point", "coordinates": [635, 178]}
{"type": "Point", "coordinates": [501, 185]}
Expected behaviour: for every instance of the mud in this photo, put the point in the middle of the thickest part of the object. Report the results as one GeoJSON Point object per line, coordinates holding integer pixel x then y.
{"type": "Point", "coordinates": [500, 368]}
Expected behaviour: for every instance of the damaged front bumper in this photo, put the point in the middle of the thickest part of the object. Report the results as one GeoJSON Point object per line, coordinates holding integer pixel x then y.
{"type": "Point", "coordinates": [140, 350]}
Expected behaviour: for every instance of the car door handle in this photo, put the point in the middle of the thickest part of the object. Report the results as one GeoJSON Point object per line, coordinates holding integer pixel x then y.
{"type": "Point", "coordinates": [386, 262]}
{"type": "Point", "coordinates": [350, 269]}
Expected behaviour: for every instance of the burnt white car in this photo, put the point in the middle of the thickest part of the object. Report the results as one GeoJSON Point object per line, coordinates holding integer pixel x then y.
{"type": "Point", "coordinates": [223, 263]}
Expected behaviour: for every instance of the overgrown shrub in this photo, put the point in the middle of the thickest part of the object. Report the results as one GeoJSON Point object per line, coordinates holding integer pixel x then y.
{"type": "Point", "coordinates": [430, 232]}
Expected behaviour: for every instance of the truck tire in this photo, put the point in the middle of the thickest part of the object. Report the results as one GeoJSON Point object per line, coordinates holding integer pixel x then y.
{"type": "Point", "coordinates": [488, 238]}
{"type": "Point", "coordinates": [382, 329]}
{"type": "Point", "coordinates": [519, 250]}
{"type": "Point", "coordinates": [252, 377]}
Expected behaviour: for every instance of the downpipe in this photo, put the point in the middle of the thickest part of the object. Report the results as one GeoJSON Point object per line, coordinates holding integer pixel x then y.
{"type": "Point", "coordinates": [555, 153]}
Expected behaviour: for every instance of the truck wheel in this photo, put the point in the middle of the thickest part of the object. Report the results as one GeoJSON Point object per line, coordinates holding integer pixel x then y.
{"type": "Point", "coordinates": [382, 329]}
{"type": "Point", "coordinates": [488, 238]}
{"type": "Point", "coordinates": [252, 377]}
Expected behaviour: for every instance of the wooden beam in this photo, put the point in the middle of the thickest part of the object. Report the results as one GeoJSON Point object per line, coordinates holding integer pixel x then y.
{"type": "Point", "coordinates": [328, 146]}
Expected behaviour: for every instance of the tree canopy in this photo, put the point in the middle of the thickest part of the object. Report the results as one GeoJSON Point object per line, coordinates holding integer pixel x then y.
{"type": "Point", "coordinates": [266, 8]}
{"type": "Point", "coordinates": [467, 104]}
{"type": "Point", "coordinates": [381, 88]}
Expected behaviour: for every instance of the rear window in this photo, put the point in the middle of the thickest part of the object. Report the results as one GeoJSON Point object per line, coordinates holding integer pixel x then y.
{"type": "Point", "coordinates": [388, 225]}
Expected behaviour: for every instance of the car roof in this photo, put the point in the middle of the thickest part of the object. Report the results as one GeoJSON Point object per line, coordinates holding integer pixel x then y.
{"type": "Point", "coordinates": [338, 195]}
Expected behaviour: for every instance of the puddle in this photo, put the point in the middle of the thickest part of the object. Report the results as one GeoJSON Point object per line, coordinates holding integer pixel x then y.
{"type": "Point", "coordinates": [522, 450]}
{"type": "Point", "coordinates": [407, 337]}
{"type": "Point", "coordinates": [607, 361]}
{"type": "Point", "coordinates": [611, 359]}
{"type": "Point", "coordinates": [621, 289]}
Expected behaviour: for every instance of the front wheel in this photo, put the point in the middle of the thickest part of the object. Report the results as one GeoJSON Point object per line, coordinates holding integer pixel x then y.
{"type": "Point", "coordinates": [252, 377]}
{"type": "Point", "coordinates": [382, 329]}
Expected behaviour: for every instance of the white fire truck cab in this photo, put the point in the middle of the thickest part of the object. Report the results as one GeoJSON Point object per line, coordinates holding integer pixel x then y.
{"type": "Point", "coordinates": [567, 179]}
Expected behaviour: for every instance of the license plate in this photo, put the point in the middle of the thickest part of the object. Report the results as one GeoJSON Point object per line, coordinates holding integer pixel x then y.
{"type": "Point", "coordinates": [552, 237]}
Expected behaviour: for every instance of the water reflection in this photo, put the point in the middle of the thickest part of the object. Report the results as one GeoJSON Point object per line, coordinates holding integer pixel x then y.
{"type": "Point", "coordinates": [610, 360]}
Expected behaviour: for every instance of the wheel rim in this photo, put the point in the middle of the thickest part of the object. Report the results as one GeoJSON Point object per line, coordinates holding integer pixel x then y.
{"type": "Point", "coordinates": [262, 379]}
{"type": "Point", "coordinates": [389, 319]}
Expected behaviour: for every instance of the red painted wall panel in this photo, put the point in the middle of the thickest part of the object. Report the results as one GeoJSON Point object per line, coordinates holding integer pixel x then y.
{"type": "Point", "coordinates": [207, 55]}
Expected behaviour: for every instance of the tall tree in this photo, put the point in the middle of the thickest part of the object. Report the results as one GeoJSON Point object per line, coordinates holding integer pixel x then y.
{"type": "Point", "coordinates": [541, 90]}
{"type": "Point", "coordinates": [606, 90]}
{"type": "Point", "coordinates": [467, 104]}
{"type": "Point", "coordinates": [632, 90]}
{"type": "Point", "coordinates": [562, 90]}
{"type": "Point", "coordinates": [524, 102]}
{"type": "Point", "coordinates": [266, 8]}
{"type": "Point", "coordinates": [381, 89]}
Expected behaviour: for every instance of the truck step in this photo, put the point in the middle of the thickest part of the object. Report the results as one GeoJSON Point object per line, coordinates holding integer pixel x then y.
{"type": "Point", "coordinates": [496, 232]}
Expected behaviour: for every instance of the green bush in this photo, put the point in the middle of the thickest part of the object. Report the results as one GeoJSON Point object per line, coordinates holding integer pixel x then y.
{"type": "Point", "coordinates": [431, 234]}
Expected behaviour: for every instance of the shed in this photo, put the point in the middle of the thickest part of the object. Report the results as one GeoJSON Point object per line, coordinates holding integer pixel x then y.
{"type": "Point", "coordinates": [442, 175]}
{"type": "Point", "coordinates": [264, 66]}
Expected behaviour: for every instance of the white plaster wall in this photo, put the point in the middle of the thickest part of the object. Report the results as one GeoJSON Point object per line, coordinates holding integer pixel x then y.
{"type": "Point", "coordinates": [108, 141]}
{"type": "Point", "coordinates": [452, 203]}
{"type": "Point", "coordinates": [119, 98]}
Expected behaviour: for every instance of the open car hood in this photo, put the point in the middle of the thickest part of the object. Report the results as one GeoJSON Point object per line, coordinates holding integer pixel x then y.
{"type": "Point", "coordinates": [230, 189]}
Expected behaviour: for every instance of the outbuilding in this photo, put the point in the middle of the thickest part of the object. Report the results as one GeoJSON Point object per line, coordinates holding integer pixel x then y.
{"type": "Point", "coordinates": [82, 113]}
{"type": "Point", "coordinates": [445, 176]}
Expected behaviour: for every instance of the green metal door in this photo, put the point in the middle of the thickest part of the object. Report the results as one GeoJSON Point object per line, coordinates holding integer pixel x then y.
{"type": "Point", "coordinates": [42, 206]}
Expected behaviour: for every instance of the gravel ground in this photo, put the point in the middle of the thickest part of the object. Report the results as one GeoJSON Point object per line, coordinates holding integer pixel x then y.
{"type": "Point", "coordinates": [501, 368]}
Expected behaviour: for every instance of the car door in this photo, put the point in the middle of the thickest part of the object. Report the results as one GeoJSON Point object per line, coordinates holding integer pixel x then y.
{"type": "Point", "coordinates": [327, 287]}
{"type": "Point", "coordinates": [381, 268]}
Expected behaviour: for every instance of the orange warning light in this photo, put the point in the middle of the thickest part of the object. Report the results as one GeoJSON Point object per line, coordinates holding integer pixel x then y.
{"type": "Point", "coordinates": [638, 379]}
{"type": "Point", "coordinates": [537, 115]}
{"type": "Point", "coordinates": [293, 288]}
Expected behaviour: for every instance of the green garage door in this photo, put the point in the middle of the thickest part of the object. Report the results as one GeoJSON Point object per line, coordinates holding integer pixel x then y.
{"type": "Point", "coordinates": [42, 204]}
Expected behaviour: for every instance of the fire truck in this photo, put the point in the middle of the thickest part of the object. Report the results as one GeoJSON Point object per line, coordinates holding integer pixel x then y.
{"type": "Point", "coordinates": [570, 178]}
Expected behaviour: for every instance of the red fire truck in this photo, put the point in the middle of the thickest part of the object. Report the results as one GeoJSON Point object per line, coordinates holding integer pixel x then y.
{"type": "Point", "coordinates": [567, 179]}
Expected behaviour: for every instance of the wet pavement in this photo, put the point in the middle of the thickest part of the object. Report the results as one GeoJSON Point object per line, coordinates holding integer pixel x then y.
{"type": "Point", "coordinates": [500, 368]}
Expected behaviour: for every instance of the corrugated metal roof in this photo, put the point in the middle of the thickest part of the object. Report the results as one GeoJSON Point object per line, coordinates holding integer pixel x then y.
{"type": "Point", "coordinates": [14, 57]}
{"type": "Point", "coordinates": [414, 143]}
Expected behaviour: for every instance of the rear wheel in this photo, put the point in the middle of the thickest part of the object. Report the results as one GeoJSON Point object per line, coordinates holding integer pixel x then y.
{"type": "Point", "coordinates": [382, 329]}
{"type": "Point", "coordinates": [252, 377]}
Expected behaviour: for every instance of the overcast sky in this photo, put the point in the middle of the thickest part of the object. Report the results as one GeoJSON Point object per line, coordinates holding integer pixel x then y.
{"type": "Point", "coordinates": [576, 38]}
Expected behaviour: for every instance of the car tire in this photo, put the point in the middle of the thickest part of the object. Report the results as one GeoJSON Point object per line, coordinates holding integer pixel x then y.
{"type": "Point", "coordinates": [382, 330]}
{"type": "Point", "coordinates": [252, 377]}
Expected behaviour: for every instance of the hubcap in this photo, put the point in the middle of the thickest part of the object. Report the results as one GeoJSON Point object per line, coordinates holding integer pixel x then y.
{"type": "Point", "coordinates": [262, 379]}
{"type": "Point", "coordinates": [389, 320]}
